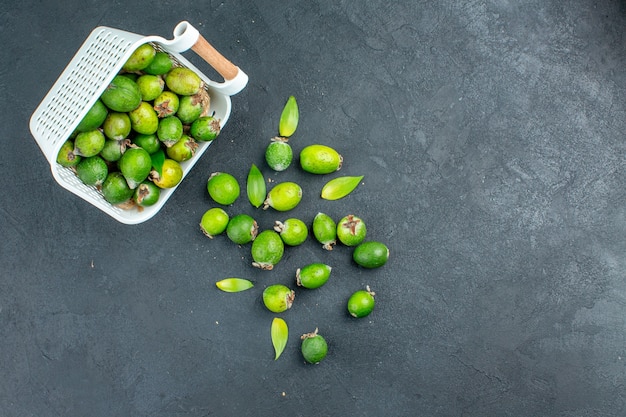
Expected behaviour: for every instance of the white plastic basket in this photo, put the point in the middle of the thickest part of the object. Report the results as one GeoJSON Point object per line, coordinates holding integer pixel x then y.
{"type": "Point", "coordinates": [88, 74]}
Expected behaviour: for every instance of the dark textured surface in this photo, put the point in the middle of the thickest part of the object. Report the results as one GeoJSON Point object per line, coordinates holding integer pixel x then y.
{"type": "Point", "coordinates": [491, 134]}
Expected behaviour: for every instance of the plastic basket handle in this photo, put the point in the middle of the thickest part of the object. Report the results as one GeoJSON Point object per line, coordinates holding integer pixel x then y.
{"type": "Point", "coordinates": [186, 36]}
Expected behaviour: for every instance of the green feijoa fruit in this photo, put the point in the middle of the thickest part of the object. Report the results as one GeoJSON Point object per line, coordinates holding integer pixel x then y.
{"type": "Point", "coordinates": [66, 156]}
{"type": "Point", "coordinates": [183, 81]}
{"type": "Point", "coordinates": [166, 104]}
{"type": "Point", "coordinates": [191, 107]}
{"type": "Point", "coordinates": [183, 150]}
{"type": "Point", "coordinates": [89, 143]}
{"type": "Point", "coordinates": [278, 154]}
{"type": "Point", "coordinates": [116, 126]}
{"type": "Point", "coordinates": [140, 58]}
{"type": "Point", "coordinates": [289, 118]}
{"type": "Point", "coordinates": [351, 230]}
{"type": "Point", "coordinates": [242, 229]}
{"type": "Point", "coordinates": [150, 86]}
{"type": "Point", "coordinates": [135, 164]}
{"type": "Point", "coordinates": [223, 188]}
{"type": "Point", "coordinates": [170, 175]}
{"type": "Point", "coordinates": [113, 149]}
{"type": "Point", "coordinates": [143, 119]}
{"type": "Point", "coordinates": [292, 231]}
{"type": "Point", "coordinates": [121, 95]}
{"type": "Point", "coordinates": [320, 159]}
{"type": "Point", "coordinates": [170, 130]}
{"type": "Point", "coordinates": [255, 186]}
{"type": "Point", "coordinates": [313, 275]}
{"type": "Point", "coordinates": [325, 230]}
{"type": "Point", "coordinates": [161, 64]}
{"type": "Point", "coordinates": [150, 143]}
{"type": "Point", "coordinates": [278, 298]}
{"type": "Point", "coordinates": [284, 196]}
{"type": "Point", "coordinates": [371, 254]}
{"type": "Point", "coordinates": [94, 117]}
{"type": "Point", "coordinates": [214, 222]}
{"type": "Point", "coordinates": [314, 347]}
{"type": "Point", "coordinates": [205, 128]}
{"type": "Point", "coordinates": [115, 189]}
{"type": "Point", "coordinates": [92, 170]}
{"type": "Point", "coordinates": [146, 194]}
{"type": "Point", "coordinates": [267, 250]}
{"type": "Point", "coordinates": [361, 303]}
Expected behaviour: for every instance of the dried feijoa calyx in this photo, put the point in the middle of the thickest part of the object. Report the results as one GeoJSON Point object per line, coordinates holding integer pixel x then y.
{"type": "Point", "coordinates": [223, 188]}
{"type": "Point", "coordinates": [284, 196]}
{"type": "Point", "coordinates": [314, 347]}
{"type": "Point", "coordinates": [242, 229]}
{"type": "Point", "coordinates": [183, 81]}
{"type": "Point", "coordinates": [234, 284]}
{"type": "Point", "coordinates": [289, 118]}
{"type": "Point", "coordinates": [340, 187]}
{"type": "Point", "coordinates": [267, 250]}
{"type": "Point", "coordinates": [166, 104]}
{"type": "Point", "coordinates": [313, 275]}
{"type": "Point", "coordinates": [351, 230]}
{"type": "Point", "coordinates": [361, 303]}
{"type": "Point", "coordinates": [320, 159]}
{"type": "Point", "coordinates": [292, 231]}
{"type": "Point", "coordinates": [278, 154]}
{"type": "Point", "coordinates": [325, 230]}
{"type": "Point", "coordinates": [278, 298]}
{"type": "Point", "coordinates": [371, 254]}
{"type": "Point", "coordinates": [214, 221]}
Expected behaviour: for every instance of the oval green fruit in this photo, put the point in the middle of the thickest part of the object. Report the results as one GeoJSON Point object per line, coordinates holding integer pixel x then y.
{"type": "Point", "coordinates": [292, 231]}
{"type": "Point", "coordinates": [371, 254]}
{"type": "Point", "coordinates": [92, 170]}
{"type": "Point", "coordinates": [278, 155]}
{"type": "Point", "coordinates": [320, 159]}
{"type": "Point", "coordinates": [89, 143]}
{"type": "Point", "coordinates": [94, 117]}
{"type": "Point", "coordinates": [325, 230]}
{"type": "Point", "coordinates": [190, 108]}
{"type": "Point", "coordinates": [284, 196]}
{"type": "Point", "coordinates": [313, 275]}
{"type": "Point", "coordinates": [146, 194]}
{"type": "Point", "coordinates": [223, 188]}
{"type": "Point", "coordinates": [170, 130]}
{"type": "Point", "coordinates": [66, 156]}
{"type": "Point", "coordinates": [150, 86]}
{"type": "Point", "coordinates": [135, 164]}
{"type": "Point", "coordinates": [115, 189]}
{"type": "Point", "coordinates": [278, 298]}
{"type": "Point", "coordinates": [314, 347]}
{"type": "Point", "coordinates": [267, 250]}
{"type": "Point", "coordinates": [116, 126]}
{"type": "Point", "coordinates": [214, 222]}
{"type": "Point", "coordinates": [143, 119]}
{"type": "Point", "coordinates": [121, 95]}
{"type": "Point", "coordinates": [140, 58]}
{"type": "Point", "coordinates": [183, 150]}
{"type": "Point", "coordinates": [149, 142]}
{"type": "Point", "coordinates": [170, 176]}
{"type": "Point", "coordinates": [351, 230]}
{"type": "Point", "coordinates": [166, 104]}
{"type": "Point", "coordinates": [183, 81]}
{"type": "Point", "coordinates": [205, 128]}
{"type": "Point", "coordinates": [160, 64]}
{"type": "Point", "coordinates": [361, 303]}
{"type": "Point", "coordinates": [242, 229]}
{"type": "Point", "coordinates": [113, 149]}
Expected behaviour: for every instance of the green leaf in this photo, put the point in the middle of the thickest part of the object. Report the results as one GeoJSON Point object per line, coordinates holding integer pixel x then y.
{"type": "Point", "coordinates": [289, 118]}
{"type": "Point", "coordinates": [256, 188]}
{"type": "Point", "coordinates": [280, 334]}
{"type": "Point", "coordinates": [340, 187]}
{"type": "Point", "coordinates": [158, 158]}
{"type": "Point", "coordinates": [234, 284]}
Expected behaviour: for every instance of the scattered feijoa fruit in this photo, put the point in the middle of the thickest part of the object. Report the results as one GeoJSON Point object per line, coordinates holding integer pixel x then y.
{"type": "Point", "coordinates": [313, 275]}
{"type": "Point", "coordinates": [314, 347]}
{"type": "Point", "coordinates": [371, 254]}
{"type": "Point", "coordinates": [267, 250]}
{"type": "Point", "coordinates": [214, 222]}
{"type": "Point", "coordinates": [292, 231]}
{"type": "Point", "coordinates": [351, 230]}
{"type": "Point", "coordinates": [278, 298]}
{"type": "Point", "coordinates": [223, 188]}
{"type": "Point", "coordinates": [361, 303]}
{"type": "Point", "coordinates": [278, 154]}
{"type": "Point", "coordinates": [320, 159]}
{"type": "Point", "coordinates": [242, 229]}
{"type": "Point", "coordinates": [284, 196]}
{"type": "Point", "coordinates": [325, 230]}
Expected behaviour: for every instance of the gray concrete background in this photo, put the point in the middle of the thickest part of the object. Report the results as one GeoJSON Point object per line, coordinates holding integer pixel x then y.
{"type": "Point", "coordinates": [491, 136]}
